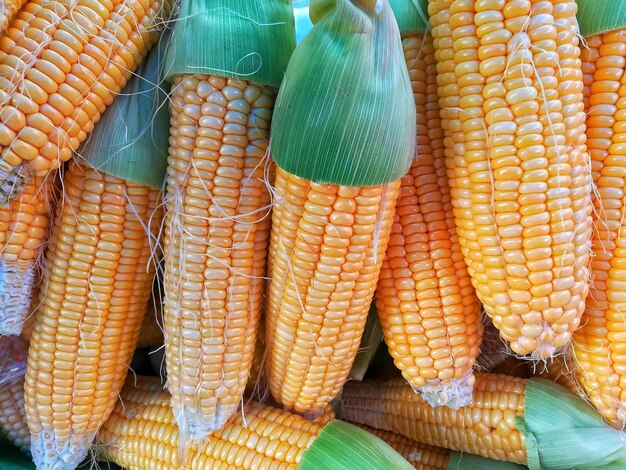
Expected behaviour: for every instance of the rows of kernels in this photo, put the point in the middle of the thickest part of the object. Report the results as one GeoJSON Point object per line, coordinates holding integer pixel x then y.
{"type": "Point", "coordinates": [421, 456]}
{"type": "Point", "coordinates": [92, 301]}
{"type": "Point", "coordinates": [598, 344]}
{"type": "Point", "coordinates": [217, 233]}
{"type": "Point", "coordinates": [327, 246]}
{"type": "Point", "coordinates": [8, 8]}
{"type": "Point", "coordinates": [519, 182]}
{"type": "Point", "coordinates": [151, 333]}
{"type": "Point", "coordinates": [487, 427]}
{"type": "Point", "coordinates": [562, 371]}
{"type": "Point", "coordinates": [260, 437]}
{"type": "Point", "coordinates": [12, 415]}
{"type": "Point", "coordinates": [425, 300]}
{"type": "Point", "coordinates": [24, 227]}
{"type": "Point", "coordinates": [58, 77]}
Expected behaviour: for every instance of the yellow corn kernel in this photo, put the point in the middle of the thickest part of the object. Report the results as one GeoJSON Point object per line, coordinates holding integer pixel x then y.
{"type": "Point", "coordinates": [326, 250]}
{"type": "Point", "coordinates": [8, 8]}
{"type": "Point", "coordinates": [13, 416]}
{"type": "Point", "coordinates": [216, 238]}
{"type": "Point", "coordinates": [425, 301]}
{"type": "Point", "coordinates": [93, 297]}
{"type": "Point", "coordinates": [510, 87]}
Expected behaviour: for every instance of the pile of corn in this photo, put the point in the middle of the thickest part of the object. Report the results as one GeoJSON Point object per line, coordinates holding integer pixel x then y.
{"type": "Point", "coordinates": [189, 194]}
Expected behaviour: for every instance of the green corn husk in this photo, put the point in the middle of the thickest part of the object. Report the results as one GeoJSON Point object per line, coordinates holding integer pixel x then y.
{"type": "Point", "coordinates": [411, 15]}
{"type": "Point", "coordinates": [465, 461]}
{"type": "Point", "coordinates": [343, 446]}
{"type": "Point", "coordinates": [371, 339]}
{"type": "Point", "coordinates": [131, 140]}
{"type": "Point", "coordinates": [563, 432]}
{"type": "Point", "coordinates": [345, 113]}
{"type": "Point", "coordinates": [243, 39]}
{"type": "Point", "coordinates": [600, 16]}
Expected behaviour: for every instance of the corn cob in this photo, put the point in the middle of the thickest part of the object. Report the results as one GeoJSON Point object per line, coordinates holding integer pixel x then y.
{"type": "Point", "coordinates": [421, 456]}
{"type": "Point", "coordinates": [425, 301]}
{"type": "Point", "coordinates": [217, 233]}
{"type": "Point", "coordinates": [334, 197]}
{"type": "Point", "coordinates": [23, 231]}
{"type": "Point", "coordinates": [93, 298]}
{"type": "Point", "coordinates": [13, 416]}
{"type": "Point", "coordinates": [598, 346]}
{"type": "Point", "coordinates": [8, 8]}
{"type": "Point", "coordinates": [486, 428]}
{"type": "Point", "coordinates": [260, 437]}
{"type": "Point", "coordinates": [61, 64]}
{"type": "Point", "coordinates": [511, 84]}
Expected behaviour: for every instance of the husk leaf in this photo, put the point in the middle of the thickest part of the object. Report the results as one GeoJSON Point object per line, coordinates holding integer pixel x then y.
{"type": "Point", "coordinates": [563, 432]}
{"type": "Point", "coordinates": [411, 15]}
{"type": "Point", "coordinates": [343, 446]}
{"type": "Point", "coordinates": [600, 16]}
{"type": "Point", "coordinates": [465, 461]}
{"type": "Point", "coordinates": [371, 339]}
{"type": "Point", "coordinates": [244, 39]}
{"type": "Point", "coordinates": [345, 113]}
{"type": "Point", "coordinates": [131, 140]}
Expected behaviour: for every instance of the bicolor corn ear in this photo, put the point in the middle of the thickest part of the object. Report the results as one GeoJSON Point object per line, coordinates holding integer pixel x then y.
{"type": "Point", "coordinates": [345, 112]}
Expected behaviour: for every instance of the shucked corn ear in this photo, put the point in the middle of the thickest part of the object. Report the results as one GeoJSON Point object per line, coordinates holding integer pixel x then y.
{"type": "Point", "coordinates": [260, 437]}
{"type": "Point", "coordinates": [425, 300]}
{"type": "Point", "coordinates": [24, 225]}
{"type": "Point", "coordinates": [334, 196]}
{"type": "Point", "coordinates": [525, 421]}
{"type": "Point", "coordinates": [61, 64]}
{"type": "Point", "coordinates": [99, 276]}
{"type": "Point", "coordinates": [218, 203]}
{"type": "Point", "coordinates": [599, 344]}
{"type": "Point", "coordinates": [510, 87]}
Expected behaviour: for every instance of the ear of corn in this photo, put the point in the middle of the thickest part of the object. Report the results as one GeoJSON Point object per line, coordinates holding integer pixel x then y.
{"type": "Point", "coordinates": [599, 344]}
{"type": "Point", "coordinates": [94, 294]}
{"type": "Point", "coordinates": [425, 300]}
{"type": "Point", "coordinates": [58, 80]}
{"type": "Point", "coordinates": [511, 86]}
{"type": "Point", "coordinates": [13, 416]}
{"type": "Point", "coordinates": [218, 202]}
{"type": "Point", "coordinates": [24, 227]}
{"type": "Point", "coordinates": [259, 437]}
{"type": "Point", "coordinates": [334, 195]}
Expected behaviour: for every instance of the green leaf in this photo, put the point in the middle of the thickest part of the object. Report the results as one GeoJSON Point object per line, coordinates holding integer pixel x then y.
{"type": "Point", "coordinates": [564, 432]}
{"type": "Point", "coordinates": [371, 339]}
{"type": "Point", "coordinates": [131, 139]}
{"type": "Point", "coordinates": [412, 15]}
{"type": "Point", "coordinates": [244, 39]}
{"type": "Point", "coordinates": [465, 461]}
{"type": "Point", "coordinates": [600, 16]}
{"type": "Point", "coordinates": [343, 446]}
{"type": "Point", "coordinates": [345, 112]}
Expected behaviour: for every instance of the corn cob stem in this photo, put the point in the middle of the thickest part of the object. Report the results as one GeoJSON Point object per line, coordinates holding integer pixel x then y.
{"type": "Point", "coordinates": [23, 231]}
{"type": "Point", "coordinates": [517, 161]}
{"type": "Point", "coordinates": [13, 416]}
{"type": "Point", "coordinates": [598, 344]}
{"type": "Point", "coordinates": [426, 303]}
{"type": "Point", "coordinates": [327, 246]}
{"type": "Point", "coordinates": [216, 238]}
{"type": "Point", "coordinates": [57, 81]}
{"type": "Point", "coordinates": [93, 298]}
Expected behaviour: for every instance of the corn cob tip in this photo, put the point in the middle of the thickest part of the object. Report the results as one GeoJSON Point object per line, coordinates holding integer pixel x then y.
{"type": "Point", "coordinates": [16, 287]}
{"type": "Point", "coordinates": [12, 181]}
{"type": "Point", "coordinates": [49, 454]}
{"type": "Point", "coordinates": [194, 426]}
{"type": "Point", "coordinates": [454, 393]}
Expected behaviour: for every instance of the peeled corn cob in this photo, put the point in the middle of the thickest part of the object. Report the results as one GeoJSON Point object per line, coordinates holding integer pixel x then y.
{"type": "Point", "coordinates": [510, 88]}
{"type": "Point", "coordinates": [421, 456]}
{"type": "Point", "coordinates": [61, 65]}
{"type": "Point", "coordinates": [24, 227]}
{"type": "Point", "coordinates": [425, 301]}
{"type": "Point", "coordinates": [261, 437]}
{"type": "Point", "coordinates": [13, 416]}
{"type": "Point", "coordinates": [598, 346]}
{"type": "Point", "coordinates": [93, 298]}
